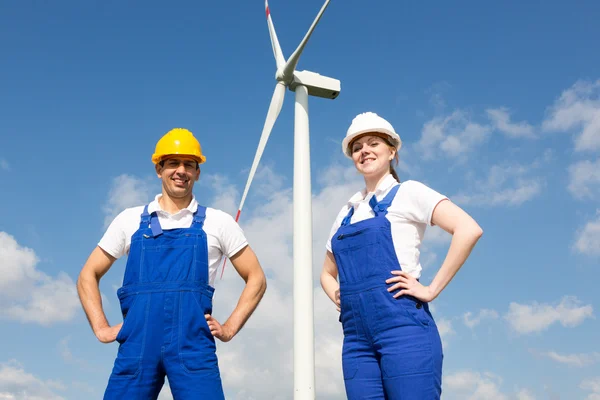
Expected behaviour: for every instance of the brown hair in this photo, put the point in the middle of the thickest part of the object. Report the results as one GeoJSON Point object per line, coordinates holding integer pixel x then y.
{"type": "Point", "coordinates": [392, 169]}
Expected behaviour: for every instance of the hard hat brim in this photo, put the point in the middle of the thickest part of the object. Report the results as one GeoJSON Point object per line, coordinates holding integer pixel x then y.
{"type": "Point", "coordinates": [391, 136]}
{"type": "Point", "coordinates": [156, 158]}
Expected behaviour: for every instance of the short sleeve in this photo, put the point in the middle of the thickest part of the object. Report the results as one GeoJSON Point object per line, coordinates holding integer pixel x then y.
{"type": "Point", "coordinates": [421, 201]}
{"type": "Point", "coordinates": [231, 235]}
{"type": "Point", "coordinates": [114, 241]}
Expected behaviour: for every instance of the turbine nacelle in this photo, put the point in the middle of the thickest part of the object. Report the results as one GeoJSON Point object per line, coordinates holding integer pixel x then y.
{"type": "Point", "coordinates": [317, 84]}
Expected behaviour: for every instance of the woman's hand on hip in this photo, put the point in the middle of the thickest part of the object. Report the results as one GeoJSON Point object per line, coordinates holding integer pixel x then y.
{"type": "Point", "coordinates": [407, 284]}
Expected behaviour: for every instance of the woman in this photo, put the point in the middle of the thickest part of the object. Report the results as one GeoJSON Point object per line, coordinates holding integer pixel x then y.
{"type": "Point", "coordinates": [392, 348]}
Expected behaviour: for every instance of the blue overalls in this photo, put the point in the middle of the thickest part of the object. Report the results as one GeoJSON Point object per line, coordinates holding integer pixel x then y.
{"type": "Point", "coordinates": [164, 297]}
{"type": "Point", "coordinates": [392, 348]}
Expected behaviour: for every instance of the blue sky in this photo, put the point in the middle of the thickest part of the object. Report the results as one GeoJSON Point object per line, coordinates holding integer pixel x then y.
{"type": "Point", "coordinates": [498, 106]}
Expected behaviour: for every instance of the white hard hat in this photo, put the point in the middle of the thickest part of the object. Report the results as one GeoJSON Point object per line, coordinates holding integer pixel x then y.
{"type": "Point", "coordinates": [369, 122]}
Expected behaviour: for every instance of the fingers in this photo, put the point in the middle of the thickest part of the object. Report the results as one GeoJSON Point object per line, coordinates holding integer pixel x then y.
{"type": "Point", "coordinates": [405, 284]}
{"type": "Point", "coordinates": [398, 279]}
{"type": "Point", "coordinates": [214, 326]}
{"type": "Point", "coordinates": [400, 276]}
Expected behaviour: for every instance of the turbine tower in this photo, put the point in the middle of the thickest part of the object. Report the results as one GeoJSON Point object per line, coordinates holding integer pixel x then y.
{"type": "Point", "coordinates": [303, 83]}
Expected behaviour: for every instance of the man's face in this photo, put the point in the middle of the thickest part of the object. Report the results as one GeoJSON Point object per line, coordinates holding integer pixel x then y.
{"type": "Point", "coordinates": [178, 174]}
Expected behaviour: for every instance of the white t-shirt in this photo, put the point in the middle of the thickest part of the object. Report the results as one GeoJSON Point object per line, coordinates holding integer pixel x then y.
{"type": "Point", "coordinates": [224, 235]}
{"type": "Point", "coordinates": [409, 215]}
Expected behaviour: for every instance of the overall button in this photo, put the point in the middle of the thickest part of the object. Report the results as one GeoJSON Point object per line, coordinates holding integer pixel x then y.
{"type": "Point", "coordinates": [419, 305]}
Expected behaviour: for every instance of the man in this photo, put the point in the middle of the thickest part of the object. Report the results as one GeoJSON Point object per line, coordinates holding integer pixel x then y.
{"type": "Point", "coordinates": [174, 246]}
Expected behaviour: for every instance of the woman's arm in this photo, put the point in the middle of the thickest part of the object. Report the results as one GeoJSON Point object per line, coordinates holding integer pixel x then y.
{"type": "Point", "coordinates": [465, 234]}
{"type": "Point", "coordinates": [329, 281]}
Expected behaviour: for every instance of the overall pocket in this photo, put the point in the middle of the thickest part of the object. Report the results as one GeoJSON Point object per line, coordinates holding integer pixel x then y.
{"type": "Point", "coordinates": [133, 317]}
{"type": "Point", "coordinates": [415, 310]}
{"type": "Point", "coordinates": [349, 320]}
{"type": "Point", "coordinates": [131, 336]}
{"type": "Point", "coordinates": [359, 258]}
{"type": "Point", "coordinates": [406, 338]}
{"type": "Point", "coordinates": [197, 348]}
{"type": "Point", "coordinates": [167, 263]}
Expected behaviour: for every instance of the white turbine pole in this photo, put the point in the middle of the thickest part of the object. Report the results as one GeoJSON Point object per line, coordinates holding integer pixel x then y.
{"type": "Point", "coordinates": [304, 351]}
{"type": "Point", "coordinates": [304, 83]}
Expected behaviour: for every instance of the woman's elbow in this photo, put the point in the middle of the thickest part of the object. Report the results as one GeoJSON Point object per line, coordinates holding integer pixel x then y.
{"type": "Point", "coordinates": [476, 231]}
{"type": "Point", "coordinates": [469, 229]}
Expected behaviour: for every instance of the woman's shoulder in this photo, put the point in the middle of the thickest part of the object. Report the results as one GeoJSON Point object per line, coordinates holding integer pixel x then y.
{"type": "Point", "coordinates": [414, 187]}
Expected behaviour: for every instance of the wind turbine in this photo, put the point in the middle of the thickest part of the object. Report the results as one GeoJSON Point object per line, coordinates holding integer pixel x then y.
{"type": "Point", "coordinates": [304, 83]}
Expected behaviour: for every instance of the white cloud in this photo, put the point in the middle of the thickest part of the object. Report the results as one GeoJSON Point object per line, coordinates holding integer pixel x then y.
{"type": "Point", "coordinates": [83, 387]}
{"type": "Point", "coordinates": [505, 185]}
{"type": "Point", "coordinates": [269, 231]}
{"type": "Point", "coordinates": [128, 191]}
{"type": "Point", "coordinates": [471, 385]}
{"type": "Point", "coordinates": [29, 295]}
{"type": "Point", "coordinates": [17, 384]}
{"type": "Point", "coordinates": [572, 360]}
{"type": "Point", "coordinates": [227, 194]}
{"type": "Point", "coordinates": [435, 235]}
{"type": "Point", "coordinates": [592, 385]}
{"type": "Point", "coordinates": [525, 394]}
{"type": "Point", "coordinates": [536, 317]}
{"type": "Point", "coordinates": [588, 238]}
{"type": "Point", "coordinates": [584, 178]}
{"type": "Point", "coordinates": [445, 328]}
{"type": "Point", "coordinates": [578, 108]}
{"type": "Point", "coordinates": [67, 355]}
{"type": "Point", "coordinates": [4, 165]}
{"type": "Point", "coordinates": [500, 118]}
{"type": "Point", "coordinates": [165, 393]}
{"type": "Point", "coordinates": [454, 136]}
{"type": "Point", "coordinates": [472, 321]}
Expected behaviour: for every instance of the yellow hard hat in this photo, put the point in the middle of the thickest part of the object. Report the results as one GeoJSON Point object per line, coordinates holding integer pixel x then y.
{"type": "Point", "coordinates": [178, 141]}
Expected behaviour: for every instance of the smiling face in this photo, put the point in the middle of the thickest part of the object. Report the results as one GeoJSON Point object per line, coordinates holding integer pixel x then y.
{"type": "Point", "coordinates": [372, 155]}
{"type": "Point", "coordinates": [178, 174]}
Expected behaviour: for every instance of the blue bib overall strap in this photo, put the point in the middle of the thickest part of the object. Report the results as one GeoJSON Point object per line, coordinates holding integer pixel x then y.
{"type": "Point", "coordinates": [200, 216]}
{"type": "Point", "coordinates": [392, 348]}
{"type": "Point", "coordinates": [164, 298]}
{"type": "Point", "coordinates": [378, 207]}
{"type": "Point", "coordinates": [152, 220]}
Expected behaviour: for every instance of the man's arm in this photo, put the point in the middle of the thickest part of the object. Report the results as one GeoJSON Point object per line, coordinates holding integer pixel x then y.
{"type": "Point", "coordinates": [98, 263]}
{"type": "Point", "coordinates": [248, 267]}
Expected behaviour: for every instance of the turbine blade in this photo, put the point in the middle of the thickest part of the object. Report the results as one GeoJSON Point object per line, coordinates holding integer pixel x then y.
{"type": "Point", "coordinates": [290, 66]}
{"type": "Point", "coordinates": [272, 114]}
{"type": "Point", "coordinates": [279, 59]}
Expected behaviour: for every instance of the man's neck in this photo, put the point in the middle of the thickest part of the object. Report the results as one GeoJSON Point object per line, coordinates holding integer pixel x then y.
{"type": "Point", "coordinates": [173, 206]}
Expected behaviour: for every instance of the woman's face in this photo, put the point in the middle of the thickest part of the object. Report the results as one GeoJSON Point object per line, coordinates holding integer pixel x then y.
{"type": "Point", "coordinates": [371, 155]}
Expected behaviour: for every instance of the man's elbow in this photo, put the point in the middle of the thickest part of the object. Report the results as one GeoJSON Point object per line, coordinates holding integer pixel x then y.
{"type": "Point", "coordinates": [86, 278]}
{"type": "Point", "coordinates": [262, 284]}
{"type": "Point", "coordinates": [258, 280]}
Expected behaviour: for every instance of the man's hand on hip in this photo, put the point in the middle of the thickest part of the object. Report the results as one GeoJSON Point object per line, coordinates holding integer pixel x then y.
{"type": "Point", "coordinates": [221, 332]}
{"type": "Point", "coordinates": [108, 334]}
